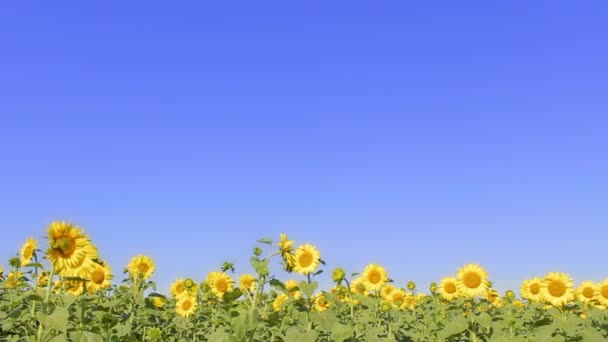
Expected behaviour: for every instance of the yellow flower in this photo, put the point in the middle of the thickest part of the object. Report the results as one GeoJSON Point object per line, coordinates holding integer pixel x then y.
{"type": "Point", "coordinates": [473, 281]}
{"type": "Point", "coordinates": [586, 292]}
{"type": "Point", "coordinates": [398, 298]}
{"type": "Point", "coordinates": [141, 266]}
{"type": "Point", "coordinates": [99, 278]}
{"type": "Point", "coordinates": [68, 246]}
{"type": "Point", "coordinates": [358, 286]}
{"type": "Point", "coordinates": [530, 289]}
{"type": "Point", "coordinates": [321, 303]}
{"type": "Point", "coordinates": [374, 277]}
{"type": "Point", "coordinates": [557, 289]}
{"type": "Point", "coordinates": [158, 302]}
{"type": "Point", "coordinates": [387, 291]}
{"type": "Point", "coordinates": [186, 306]}
{"type": "Point", "coordinates": [340, 292]}
{"type": "Point", "coordinates": [43, 278]}
{"type": "Point", "coordinates": [178, 288]}
{"type": "Point", "coordinates": [27, 251]}
{"type": "Point", "coordinates": [287, 252]}
{"type": "Point", "coordinates": [277, 304]}
{"type": "Point", "coordinates": [493, 297]}
{"type": "Point", "coordinates": [448, 288]}
{"type": "Point", "coordinates": [220, 283]}
{"type": "Point", "coordinates": [602, 293]}
{"type": "Point", "coordinates": [519, 303]}
{"type": "Point", "coordinates": [247, 282]}
{"type": "Point", "coordinates": [13, 279]}
{"type": "Point", "coordinates": [307, 259]}
{"type": "Point", "coordinates": [73, 287]}
{"type": "Point", "coordinates": [81, 270]}
{"type": "Point", "coordinates": [292, 289]}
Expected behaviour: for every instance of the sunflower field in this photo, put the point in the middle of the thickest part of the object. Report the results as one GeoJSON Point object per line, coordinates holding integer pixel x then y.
{"type": "Point", "coordinates": [66, 292]}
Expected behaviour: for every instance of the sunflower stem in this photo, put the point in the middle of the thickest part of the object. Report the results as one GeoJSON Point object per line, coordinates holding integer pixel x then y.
{"type": "Point", "coordinates": [44, 304]}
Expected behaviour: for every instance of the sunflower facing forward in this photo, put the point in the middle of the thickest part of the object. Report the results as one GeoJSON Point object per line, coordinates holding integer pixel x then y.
{"type": "Point", "coordinates": [306, 259]}
{"type": "Point", "coordinates": [587, 291]}
{"type": "Point", "coordinates": [141, 266]}
{"type": "Point", "coordinates": [99, 277]}
{"type": "Point", "coordinates": [602, 293]}
{"type": "Point", "coordinates": [220, 283]}
{"type": "Point", "coordinates": [186, 306]}
{"type": "Point", "coordinates": [374, 277]}
{"type": "Point", "coordinates": [27, 251]}
{"type": "Point", "coordinates": [448, 288]}
{"type": "Point", "coordinates": [557, 289]}
{"type": "Point", "coordinates": [68, 246]}
{"type": "Point", "coordinates": [530, 289]}
{"type": "Point", "coordinates": [247, 282]}
{"type": "Point", "coordinates": [473, 281]}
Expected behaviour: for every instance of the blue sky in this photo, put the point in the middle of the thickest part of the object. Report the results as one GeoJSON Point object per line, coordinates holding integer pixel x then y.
{"type": "Point", "coordinates": [418, 135]}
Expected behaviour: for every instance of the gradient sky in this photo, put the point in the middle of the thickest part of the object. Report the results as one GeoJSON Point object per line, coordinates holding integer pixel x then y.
{"type": "Point", "coordinates": [419, 135]}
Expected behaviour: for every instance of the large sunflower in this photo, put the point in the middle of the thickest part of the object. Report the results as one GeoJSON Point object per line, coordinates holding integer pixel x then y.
{"type": "Point", "coordinates": [307, 259]}
{"type": "Point", "coordinates": [557, 289]}
{"type": "Point", "coordinates": [141, 266]}
{"type": "Point", "coordinates": [247, 282]}
{"type": "Point", "coordinates": [220, 283]}
{"type": "Point", "coordinates": [186, 306]}
{"type": "Point", "coordinates": [530, 289]}
{"type": "Point", "coordinates": [99, 277]}
{"type": "Point", "coordinates": [473, 280]}
{"type": "Point", "coordinates": [448, 288]}
{"type": "Point", "coordinates": [81, 270]}
{"type": "Point", "coordinates": [587, 291]}
{"type": "Point", "coordinates": [27, 251]}
{"type": "Point", "coordinates": [602, 293]}
{"type": "Point", "coordinates": [374, 277]}
{"type": "Point", "coordinates": [68, 246]}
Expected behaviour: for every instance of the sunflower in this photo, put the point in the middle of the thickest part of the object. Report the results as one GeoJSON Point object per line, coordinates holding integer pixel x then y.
{"type": "Point", "coordinates": [398, 298]}
{"type": "Point", "coordinates": [157, 302]}
{"type": "Point", "coordinates": [220, 283]}
{"type": "Point", "coordinates": [320, 302]}
{"type": "Point", "coordinates": [557, 289]}
{"type": "Point", "coordinates": [82, 269]}
{"type": "Point", "coordinates": [247, 282]}
{"type": "Point", "coordinates": [141, 266]}
{"type": "Point", "coordinates": [586, 292]}
{"type": "Point", "coordinates": [186, 306]}
{"type": "Point", "coordinates": [277, 304]}
{"type": "Point", "coordinates": [387, 291]}
{"type": "Point", "coordinates": [374, 277]}
{"type": "Point", "coordinates": [602, 293]}
{"type": "Point", "coordinates": [27, 251]}
{"type": "Point", "coordinates": [43, 279]}
{"type": "Point", "coordinates": [292, 289]}
{"type": "Point", "coordinates": [307, 259]}
{"type": "Point", "coordinates": [68, 246]}
{"type": "Point", "coordinates": [99, 277]}
{"type": "Point", "coordinates": [13, 279]}
{"type": "Point", "coordinates": [73, 287]}
{"type": "Point", "coordinates": [358, 286]}
{"type": "Point", "coordinates": [340, 292]}
{"type": "Point", "coordinates": [530, 289]}
{"type": "Point", "coordinates": [178, 288]}
{"type": "Point", "coordinates": [448, 288]}
{"type": "Point", "coordinates": [473, 280]}
{"type": "Point", "coordinates": [287, 252]}
{"type": "Point", "coordinates": [493, 297]}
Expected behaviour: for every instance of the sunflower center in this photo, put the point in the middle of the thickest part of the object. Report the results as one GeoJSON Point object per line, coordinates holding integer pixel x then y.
{"type": "Point", "coordinates": [221, 285]}
{"type": "Point", "coordinates": [472, 280]}
{"type": "Point", "coordinates": [534, 289]}
{"type": "Point", "coordinates": [98, 276]}
{"type": "Point", "coordinates": [588, 292]}
{"type": "Point", "coordinates": [305, 259]}
{"type": "Point", "coordinates": [186, 305]}
{"type": "Point", "coordinates": [374, 277]}
{"type": "Point", "coordinates": [556, 288]}
{"type": "Point", "coordinates": [450, 288]}
{"type": "Point", "coordinates": [66, 245]}
{"type": "Point", "coordinates": [604, 291]}
{"type": "Point", "coordinates": [143, 267]}
{"type": "Point", "coordinates": [180, 288]}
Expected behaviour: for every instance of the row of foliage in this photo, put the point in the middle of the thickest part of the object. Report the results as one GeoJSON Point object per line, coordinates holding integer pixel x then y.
{"type": "Point", "coordinates": [65, 293]}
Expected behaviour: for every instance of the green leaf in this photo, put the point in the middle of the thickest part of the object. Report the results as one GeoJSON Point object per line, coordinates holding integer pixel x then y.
{"type": "Point", "coordinates": [308, 289]}
{"type": "Point", "coordinates": [86, 336]}
{"type": "Point", "coordinates": [245, 322]}
{"type": "Point", "coordinates": [454, 327]}
{"type": "Point", "coordinates": [591, 334]}
{"type": "Point", "coordinates": [267, 241]}
{"type": "Point", "coordinates": [260, 266]}
{"type": "Point", "coordinates": [296, 335]}
{"type": "Point", "coordinates": [58, 320]}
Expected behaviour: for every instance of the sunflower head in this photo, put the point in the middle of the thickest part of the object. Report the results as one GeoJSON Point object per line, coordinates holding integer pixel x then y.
{"type": "Point", "coordinates": [338, 275]}
{"type": "Point", "coordinates": [530, 289]}
{"type": "Point", "coordinates": [602, 293]}
{"type": "Point", "coordinates": [320, 302]}
{"type": "Point", "coordinates": [448, 288]}
{"type": "Point", "coordinates": [157, 302]}
{"type": "Point", "coordinates": [27, 251]}
{"type": "Point", "coordinates": [68, 246]}
{"type": "Point", "coordinates": [374, 277]}
{"type": "Point", "coordinates": [220, 283]}
{"type": "Point", "coordinates": [587, 292]}
{"type": "Point", "coordinates": [99, 278]}
{"type": "Point", "coordinates": [141, 266]}
{"type": "Point", "coordinates": [306, 259]}
{"type": "Point", "coordinates": [387, 291]}
{"type": "Point", "coordinates": [247, 282]}
{"type": "Point", "coordinates": [556, 289]}
{"type": "Point", "coordinates": [14, 279]}
{"type": "Point", "coordinates": [186, 306]}
{"type": "Point", "coordinates": [358, 286]}
{"type": "Point", "coordinates": [472, 280]}
{"type": "Point", "coordinates": [279, 301]}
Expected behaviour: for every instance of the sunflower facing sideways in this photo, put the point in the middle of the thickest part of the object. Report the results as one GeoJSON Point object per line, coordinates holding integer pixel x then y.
{"type": "Point", "coordinates": [186, 306]}
{"type": "Point", "coordinates": [27, 251]}
{"type": "Point", "coordinates": [448, 288]}
{"type": "Point", "coordinates": [557, 289]}
{"type": "Point", "coordinates": [472, 281]}
{"type": "Point", "coordinates": [307, 259]}
{"type": "Point", "coordinates": [141, 266]}
{"type": "Point", "coordinates": [247, 282]}
{"type": "Point", "coordinates": [68, 246]}
{"type": "Point", "coordinates": [287, 252]}
{"type": "Point", "coordinates": [374, 277]}
{"type": "Point", "coordinates": [530, 289]}
{"type": "Point", "coordinates": [586, 292]}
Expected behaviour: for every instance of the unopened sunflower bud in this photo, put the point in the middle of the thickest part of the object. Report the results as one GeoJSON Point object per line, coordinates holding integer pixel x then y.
{"type": "Point", "coordinates": [411, 285]}
{"type": "Point", "coordinates": [338, 275]}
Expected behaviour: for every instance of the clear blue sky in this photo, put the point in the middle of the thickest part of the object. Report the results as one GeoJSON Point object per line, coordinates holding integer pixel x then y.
{"type": "Point", "coordinates": [421, 135]}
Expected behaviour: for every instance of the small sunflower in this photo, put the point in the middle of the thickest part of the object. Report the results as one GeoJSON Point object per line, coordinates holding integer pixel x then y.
{"type": "Point", "coordinates": [473, 281]}
{"type": "Point", "coordinates": [530, 289]}
{"type": "Point", "coordinates": [68, 246]}
{"type": "Point", "coordinates": [141, 266]}
{"type": "Point", "coordinates": [220, 283]}
{"type": "Point", "coordinates": [320, 302]}
{"type": "Point", "coordinates": [398, 298]}
{"type": "Point", "coordinates": [374, 277]}
{"type": "Point", "coordinates": [99, 277]}
{"type": "Point", "coordinates": [387, 291]}
{"type": "Point", "coordinates": [14, 279]}
{"type": "Point", "coordinates": [287, 252]}
{"type": "Point", "coordinates": [587, 292]}
{"type": "Point", "coordinates": [602, 293]}
{"type": "Point", "coordinates": [493, 297]}
{"type": "Point", "coordinates": [279, 301]}
{"type": "Point", "coordinates": [186, 306]}
{"type": "Point", "coordinates": [557, 289]}
{"type": "Point", "coordinates": [178, 288]}
{"type": "Point", "coordinates": [358, 286]}
{"type": "Point", "coordinates": [448, 288]}
{"type": "Point", "coordinates": [307, 259]}
{"type": "Point", "coordinates": [73, 287]}
{"type": "Point", "coordinates": [43, 279]}
{"type": "Point", "coordinates": [157, 302]}
{"type": "Point", "coordinates": [247, 282]}
{"type": "Point", "coordinates": [292, 289]}
{"type": "Point", "coordinates": [27, 251]}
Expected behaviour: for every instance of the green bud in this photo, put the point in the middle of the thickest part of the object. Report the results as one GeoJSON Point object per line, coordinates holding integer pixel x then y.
{"type": "Point", "coordinates": [257, 251]}
{"type": "Point", "coordinates": [411, 285]}
{"type": "Point", "coordinates": [14, 262]}
{"type": "Point", "coordinates": [338, 275]}
{"type": "Point", "coordinates": [433, 287]}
